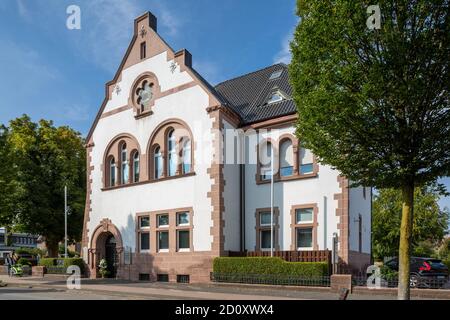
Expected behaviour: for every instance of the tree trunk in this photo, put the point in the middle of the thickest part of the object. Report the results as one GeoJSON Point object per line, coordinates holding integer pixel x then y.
{"type": "Point", "coordinates": [405, 241]}
{"type": "Point", "coordinates": [52, 248]}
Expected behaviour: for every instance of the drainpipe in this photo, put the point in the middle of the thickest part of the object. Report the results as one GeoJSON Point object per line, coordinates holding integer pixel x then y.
{"type": "Point", "coordinates": [242, 206]}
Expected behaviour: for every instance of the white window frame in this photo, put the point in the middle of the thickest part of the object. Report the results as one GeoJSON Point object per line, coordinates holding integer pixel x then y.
{"type": "Point", "coordinates": [304, 222]}
{"type": "Point", "coordinates": [162, 225]}
{"type": "Point", "coordinates": [168, 240]}
{"type": "Point", "coordinates": [178, 240]}
{"type": "Point", "coordinates": [183, 224]}
{"type": "Point", "coordinates": [296, 239]}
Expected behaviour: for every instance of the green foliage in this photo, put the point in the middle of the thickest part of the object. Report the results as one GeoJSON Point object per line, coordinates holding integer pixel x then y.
{"type": "Point", "coordinates": [429, 224]}
{"type": "Point", "coordinates": [31, 251]}
{"type": "Point", "coordinates": [70, 253]}
{"type": "Point", "coordinates": [374, 103]}
{"type": "Point", "coordinates": [388, 274]}
{"type": "Point", "coordinates": [47, 262]}
{"type": "Point", "coordinates": [24, 262]}
{"type": "Point", "coordinates": [425, 249]}
{"type": "Point", "coordinates": [103, 268]}
{"type": "Point", "coordinates": [63, 262]}
{"type": "Point", "coordinates": [268, 265]}
{"type": "Point", "coordinates": [40, 159]}
{"type": "Point", "coordinates": [444, 250]}
{"type": "Point", "coordinates": [447, 263]}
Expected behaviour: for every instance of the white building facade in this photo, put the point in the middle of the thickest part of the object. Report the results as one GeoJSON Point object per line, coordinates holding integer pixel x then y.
{"type": "Point", "coordinates": [179, 171]}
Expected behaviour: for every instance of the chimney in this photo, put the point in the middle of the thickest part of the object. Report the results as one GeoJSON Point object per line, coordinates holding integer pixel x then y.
{"type": "Point", "coordinates": [152, 22]}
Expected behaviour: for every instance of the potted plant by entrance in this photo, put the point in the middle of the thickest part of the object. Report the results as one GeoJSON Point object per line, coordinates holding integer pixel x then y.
{"type": "Point", "coordinates": [103, 268]}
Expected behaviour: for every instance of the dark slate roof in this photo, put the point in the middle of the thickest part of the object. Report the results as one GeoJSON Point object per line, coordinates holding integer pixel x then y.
{"type": "Point", "coordinates": [247, 95]}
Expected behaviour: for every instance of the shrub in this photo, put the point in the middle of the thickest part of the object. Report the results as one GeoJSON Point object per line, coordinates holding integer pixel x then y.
{"type": "Point", "coordinates": [47, 262]}
{"type": "Point", "coordinates": [62, 262]}
{"type": "Point", "coordinates": [269, 265]}
{"type": "Point", "coordinates": [24, 262]}
{"type": "Point", "coordinates": [31, 251]}
{"type": "Point", "coordinates": [388, 274]}
{"type": "Point", "coordinates": [447, 263]}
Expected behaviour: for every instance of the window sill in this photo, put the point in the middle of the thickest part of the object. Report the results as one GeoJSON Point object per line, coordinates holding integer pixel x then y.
{"type": "Point", "coordinates": [148, 181]}
{"type": "Point", "coordinates": [143, 114]}
{"type": "Point", "coordinates": [288, 178]}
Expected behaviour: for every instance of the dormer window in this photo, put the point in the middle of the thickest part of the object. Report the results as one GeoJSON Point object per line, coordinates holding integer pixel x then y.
{"type": "Point", "coordinates": [276, 96]}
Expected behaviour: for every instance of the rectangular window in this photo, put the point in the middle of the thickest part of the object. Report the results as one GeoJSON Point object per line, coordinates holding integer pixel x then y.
{"type": "Point", "coordinates": [182, 278]}
{"type": "Point", "coordinates": [306, 168]}
{"type": "Point", "coordinates": [264, 218]}
{"type": "Point", "coordinates": [144, 222]}
{"type": "Point", "coordinates": [304, 238]}
{"type": "Point", "coordinates": [163, 240]}
{"type": "Point", "coordinates": [265, 239]}
{"type": "Point", "coordinates": [144, 241]}
{"type": "Point", "coordinates": [304, 215]}
{"type": "Point", "coordinates": [144, 277]}
{"type": "Point", "coordinates": [183, 219]}
{"type": "Point", "coordinates": [286, 171]}
{"type": "Point", "coordinates": [163, 220]}
{"type": "Point", "coordinates": [266, 174]}
{"type": "Point", "coordinates": [162, 277]}
{"type": "Point", "coordinates": [183, 240]}
{"type": "Point", "coordinates": [143, 50]}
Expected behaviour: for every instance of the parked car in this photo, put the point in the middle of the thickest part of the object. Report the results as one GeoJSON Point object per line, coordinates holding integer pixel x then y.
{"type": "Point", "coordinates": [424, 272]}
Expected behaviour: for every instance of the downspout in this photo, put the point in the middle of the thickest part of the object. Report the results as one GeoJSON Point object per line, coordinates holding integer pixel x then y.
{"type": "Point", "coordinates": [242, 206]}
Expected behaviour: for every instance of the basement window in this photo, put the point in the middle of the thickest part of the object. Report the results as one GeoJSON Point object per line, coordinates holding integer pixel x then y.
{"type": "Point", "coordinates": [182, 278]}
{"type": "Point", "coordinates": [162, 278]}
{"type": "Point", "coordinates": [144, 277]}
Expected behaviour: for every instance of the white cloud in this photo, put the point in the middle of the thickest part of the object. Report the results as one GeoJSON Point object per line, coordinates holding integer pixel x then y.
{"type": "Point", "coordinates": [208, 70]}
{"type": "Point", "coordinates": [23, 10]}
{"type": "Point", "coordinates": [284, 55]}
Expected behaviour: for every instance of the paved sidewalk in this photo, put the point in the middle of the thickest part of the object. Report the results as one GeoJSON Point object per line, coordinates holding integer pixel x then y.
{"type": "Point", "coordinates": [175, 291]}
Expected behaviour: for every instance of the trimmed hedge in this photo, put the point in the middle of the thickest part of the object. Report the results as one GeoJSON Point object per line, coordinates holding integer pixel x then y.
{"type": "Point", "coordinates": [268, 265]}
{"type": "Point", "coordinates": [62, 262]}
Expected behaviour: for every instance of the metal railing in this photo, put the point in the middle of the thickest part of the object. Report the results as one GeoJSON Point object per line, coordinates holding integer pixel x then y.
{"type": "Point", "coordinates": [272, 279]}
{"type": "Point", "coordinates": [425, 282]}
{"type": "Point", "coordinates": [55, 270]}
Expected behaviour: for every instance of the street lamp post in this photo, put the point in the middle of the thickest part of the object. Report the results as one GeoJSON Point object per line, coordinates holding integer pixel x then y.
{"type": "Point", "coordinates": [65, 221]}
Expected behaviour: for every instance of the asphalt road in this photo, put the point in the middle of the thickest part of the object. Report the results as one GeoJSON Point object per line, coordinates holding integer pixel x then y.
{"type": "Point", "coordinates": [18, 293]}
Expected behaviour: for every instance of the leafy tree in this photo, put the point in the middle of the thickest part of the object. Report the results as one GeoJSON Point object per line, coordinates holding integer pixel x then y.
{"type": "Point", "coordinates": [375, 103]}
{"type": "Point", "coordinates": [44, 159]}
{"type": "Point", "coordinates": [429, 225]}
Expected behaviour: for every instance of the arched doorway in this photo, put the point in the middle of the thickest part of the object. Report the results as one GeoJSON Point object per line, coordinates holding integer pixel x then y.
{"type": "Point", "coordinates": [106, 244]}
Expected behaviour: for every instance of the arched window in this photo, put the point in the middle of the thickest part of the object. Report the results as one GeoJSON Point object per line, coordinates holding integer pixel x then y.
{"type": "Point", "coordinates": [266, 160]}
{"type": "Point", "coordinates": [136, 167]}
{"type": "Point", "coordinates": [172, 154]}
{"type": "Point", "coordinates": [286, 158]}
{"type": "Point", "coordinates": [124, 170]}
{"type": "Point", "coordinates": [158, 163]}
{"type": "Point", "coordinates": [306, 161]}
{"type": "Point", "coordinates": [186, 156]}
{"type": "Point", "coordinates": [112, 172]}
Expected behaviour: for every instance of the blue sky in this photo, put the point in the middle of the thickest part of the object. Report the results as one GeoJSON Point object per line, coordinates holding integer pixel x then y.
{"type": "Point", "coordinates": [48, 71]}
